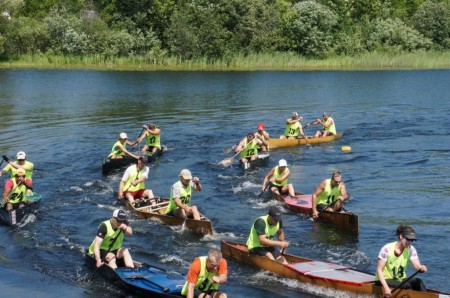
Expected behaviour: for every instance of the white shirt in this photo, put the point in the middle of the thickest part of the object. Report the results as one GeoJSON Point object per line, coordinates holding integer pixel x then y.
{"type": "Point", "coordinates": [384, 252]}
{"type": "Point", "coordinates": [126, 175]}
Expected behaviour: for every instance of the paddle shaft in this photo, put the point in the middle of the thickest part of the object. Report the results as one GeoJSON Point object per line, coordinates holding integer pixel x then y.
{"type": "Point", "coordinates": [327, 206]}
{"type": "Point", "coordinates": [231, 158]}
{"type": "Point", "coordinates": [265, 188]}
{"type": "Point", "coordinates": [405, 281]}
{"type": "Point", "coordinates": [107, 252]}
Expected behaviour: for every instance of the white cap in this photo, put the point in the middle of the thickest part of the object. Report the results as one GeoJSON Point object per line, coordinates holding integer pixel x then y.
{"type": "Point", "coordinates": [123, 136]}
{"type": "Point", "coordinates": [294, 115]}
{"type": "Point", "coordinates": [186, 174]}
{"type": "Point", "coordinates": [282, 163]}
{"type": "Point", "coordinates": [21, 155]}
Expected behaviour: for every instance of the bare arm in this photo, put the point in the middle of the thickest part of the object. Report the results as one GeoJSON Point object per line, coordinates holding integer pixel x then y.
{"type": "Point", "coordinates": [316, 193]}
{"type": "Point", "coordinates": [266, 179]}
{"type": "Point", "coordinates": [343, 190]}
{"type": "Point", "coordinates": [380, 266]}
{"type": "Point", "coordinates": [197, 185]}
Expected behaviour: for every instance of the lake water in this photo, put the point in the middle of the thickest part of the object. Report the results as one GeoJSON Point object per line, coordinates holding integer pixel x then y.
{"type": "Point", "coordinates": [67, 121]}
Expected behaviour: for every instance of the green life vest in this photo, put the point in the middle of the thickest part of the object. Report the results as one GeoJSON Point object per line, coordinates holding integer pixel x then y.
{"type": "Point", "coordinates": [292, 130]}
{"type": "Point", "coordinates": [18, 193]}
{"type": "Point", "coordinates": [134, 174]}
{"type": "Point", "coordinates": [153, 140]}
{"type": "Point", "coordinates": [108, 238]}
{"type": "Point", "coordinates": [331, 128]}
{"type": "Point", "coordinates": [277, 174]}
{"type": "Point", "coordinates": [253, 238]}
{"type": "Point", "coordinates": [203, 280]}
{"type": "Point", "coordinates": [328, 195]}
{"type": "Point", "coordinates": [185, 197]}
{"type": "Point", "coordinates": [395, 267]}
{"type": "Point", "coordinates": [115, 150]}
{"type": "Point", "coordinates": [251, 149]}
{"type": "Point", "coordinates": [27, 166]}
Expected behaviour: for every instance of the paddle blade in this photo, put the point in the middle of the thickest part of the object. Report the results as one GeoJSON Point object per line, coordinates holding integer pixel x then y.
{"type": "Point", "coordinates": [226, 162]}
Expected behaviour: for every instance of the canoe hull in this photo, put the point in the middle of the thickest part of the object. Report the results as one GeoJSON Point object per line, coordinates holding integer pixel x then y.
{"type": "Point", "coordinates": [145, 280]}
{"type": "Point", "coordinates": [302, 204]}
{"type": "Point", "coordinates": [281, 143]}
{"type": "Point", "coordinates": [324, 274]}
{"type": "Point", "coordinates": [109, 164]}
{"type": "Point", "coordinates": [263, 159]}
{"type": "Point", "coordinates": [15, 217]}
{"type": "Point", "coordinates": [203, 226]}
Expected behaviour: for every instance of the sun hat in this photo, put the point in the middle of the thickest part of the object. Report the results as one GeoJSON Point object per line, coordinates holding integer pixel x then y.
{"type": "Point", "coordinates": [186, 174]}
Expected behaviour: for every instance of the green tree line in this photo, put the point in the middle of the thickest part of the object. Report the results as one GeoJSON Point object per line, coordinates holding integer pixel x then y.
{"type": "Point", "coordinates": [217, 29]}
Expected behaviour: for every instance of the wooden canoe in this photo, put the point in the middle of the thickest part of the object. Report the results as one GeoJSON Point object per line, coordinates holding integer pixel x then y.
{"type": "Point", "coordinates": [280, 143]}
{"type": "Point", "coordinates": [263, 158]}
{"type": "Point", "coordinates": [157, 212]}
{"type": "Point", "coordinates": [109, 164]}
{"type": "Point", "coordinates": [15, 217]}
{"type": "Point", "coordinates": [346, 221]}
{"type": "Point", "coordinates": [144, 280]}
{"type": "Point", "coordinates": [324, 274]}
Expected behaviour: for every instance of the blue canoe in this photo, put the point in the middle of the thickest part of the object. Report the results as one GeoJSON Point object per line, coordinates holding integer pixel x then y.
{"type": "Point", "coordinates": [15, 217]}
{"type": "Point", "coordinates": [109, 164]}
{"type": "Point", "coordinates": [145, 280]}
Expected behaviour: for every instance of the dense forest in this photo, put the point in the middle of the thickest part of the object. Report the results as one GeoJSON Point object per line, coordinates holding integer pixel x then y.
{"type": "Point", "coordinates": [217, 29]}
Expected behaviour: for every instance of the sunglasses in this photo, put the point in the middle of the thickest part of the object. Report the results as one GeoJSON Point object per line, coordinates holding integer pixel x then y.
{"type": "Point", "coordinates": [410, 240]}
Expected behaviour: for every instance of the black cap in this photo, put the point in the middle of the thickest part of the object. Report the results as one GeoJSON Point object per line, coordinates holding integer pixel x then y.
{"type": "Point", "coordinates": [120, 215]}
{"type": "Point", "coordinates": [275, 213]}
{"type": "Point", "coordinates": [142, 159]}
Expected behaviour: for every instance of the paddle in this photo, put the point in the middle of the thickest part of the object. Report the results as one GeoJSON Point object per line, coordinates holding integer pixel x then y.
{"type": "Point", "coordinates": [227, 161]}
{"type": "Point", "coordinates": [229, 148]}
{"type": "Point", "coordinates": [327, 206]}
{"type": "Point", "coordinates": [405, 281]}
{"type": "Point", "coordinates": [265, 188]}
{"type": "Point", "coordinates": [109, 249]}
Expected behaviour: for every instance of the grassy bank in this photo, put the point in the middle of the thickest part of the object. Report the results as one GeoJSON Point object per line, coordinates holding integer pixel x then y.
{"type": "Point", "coordinates": [279, 61]}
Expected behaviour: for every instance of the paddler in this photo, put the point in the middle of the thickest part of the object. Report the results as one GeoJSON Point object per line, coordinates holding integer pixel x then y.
{"type": "Point", "coordinates": [205, 275]}
{"type": "Point", "coordinates": [20, 163]}
{"type": "Point", "coordinates": [15, 192]}
{"type": "Point", "coordinates": [261, 242]}
{"type": "Point", "coordinates": [262, 135]}
{"type": "Point", "coordinates": [132, 184]}
{"type": "Point", "coordinates": [107, 245]}
{"type": "Point", "coordinates": [329, 195]}
{"type": "Point", "coordinates": [248, 148]}
{"type": "Point", "coordinates": [278, 179]}
{"type": "Point", "coordinates": [293, 127]}
{"type": "Point", "coordinates": [393, 260]}
{"type": "Point", "coordinates": [181, 194]}
{"type": "Point", "coordinates": [152, 136]}
{"type": "Point", "coordinates": [119, 149]}
{"type": "Point", "coordinates": [329, 128]}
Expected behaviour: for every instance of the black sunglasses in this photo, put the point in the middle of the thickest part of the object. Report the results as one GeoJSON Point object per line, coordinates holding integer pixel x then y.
{"type": "Point", "coordinates": [410, 240]}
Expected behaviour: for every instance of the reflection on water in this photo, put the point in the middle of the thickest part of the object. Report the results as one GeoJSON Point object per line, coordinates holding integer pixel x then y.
{"type": "Point", "coordinates": [67, 121]}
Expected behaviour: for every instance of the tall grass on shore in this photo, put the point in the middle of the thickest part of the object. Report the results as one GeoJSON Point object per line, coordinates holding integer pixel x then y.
{"type": "Point", "coordinates": [277, 61]}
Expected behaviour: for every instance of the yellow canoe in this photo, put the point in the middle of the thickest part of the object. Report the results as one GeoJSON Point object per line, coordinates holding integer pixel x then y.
{"type": "Point", "coordinates": [280, 143]}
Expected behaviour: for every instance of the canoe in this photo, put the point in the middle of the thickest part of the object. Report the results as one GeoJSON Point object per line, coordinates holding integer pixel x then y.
{"type": "Point", "coordinates": [15, 217]}
{"type": "Point", "coordinates": [157, 212]}
{"type": "Point", "coordinates": [280, 143]}
{"type": "Point", "coordinates": [109, 164]}
{"type": "Point", "coordinates": [263, 158]}
{"type": "Point", "coordinates": [324, 274]}
{"type": "Point", "coordinates": [346, 221]}
{"type": "Point", "coordinates": [144, 280]}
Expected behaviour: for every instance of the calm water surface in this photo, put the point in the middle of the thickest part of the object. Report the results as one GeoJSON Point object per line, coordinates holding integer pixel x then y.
{"type": "Point", "coordinates": [67, 121]}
